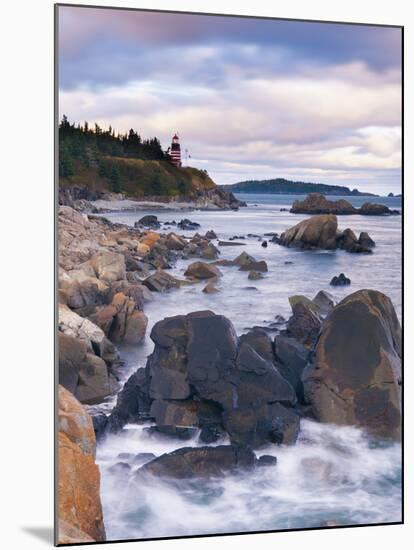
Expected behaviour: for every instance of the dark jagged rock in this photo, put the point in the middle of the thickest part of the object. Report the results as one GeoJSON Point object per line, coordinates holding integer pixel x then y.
{"type": "Point", "coordinates": [177, 432]}
{"type": "Point", "coordinates": [365, 240]}
{"type": "Point", "coordinates": [132, 403]}
{"type": "Point", "coordinates": [324, 302]}
{"type": "Point", "coordinates": [244, 259]}
{"type": "Point", "coordinates": [148, 221]}
{"type": "Point", "coordinates": [200, 462]}
{"type": "Point", "coordinates": [210, 433]}
{"type": "Point", "coordinates": [210, 235]}
{"type": "Point", "coordinates": [188, 225]}
{"type": "Point", "coordinates": [254, 266]}
{"type": "Point", "coordinates": [340, 280]}
{"type": "Point", "coordinates": [292, 358]}
{"type": "Point", "coordinates": [200, 374]}
{"type": "Point", "coordinates": [349, 242]}
{"type": "Point", "coordinates": [267, 460]}
{"type": "Point", "coordinates": [304, 325]}
{"type": "Point", "coordinates": [264, 244]}
{"type": "Point", "coordinates": [100, 422]}
{"type": "Point", "coordinates": [355, 375]}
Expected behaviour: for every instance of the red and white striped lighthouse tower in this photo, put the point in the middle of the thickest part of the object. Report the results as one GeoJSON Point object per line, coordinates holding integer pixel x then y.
{"type": "Point", "coordinates": [175, 151]}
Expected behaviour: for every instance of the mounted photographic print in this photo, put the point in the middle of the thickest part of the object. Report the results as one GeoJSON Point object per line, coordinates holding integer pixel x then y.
{"type": "Point", "coordinates": [229, 274]}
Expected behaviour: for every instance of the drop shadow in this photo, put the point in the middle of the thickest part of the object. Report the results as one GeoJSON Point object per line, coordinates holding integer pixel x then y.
{"type": "Point", "coordinates": [45, 534]}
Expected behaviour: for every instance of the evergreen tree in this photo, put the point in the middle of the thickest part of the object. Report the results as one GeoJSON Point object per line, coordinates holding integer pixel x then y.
{"type": "Point", "coordinates": [115, 179]}
{"type": "Point", "coordinates": [65, 162]}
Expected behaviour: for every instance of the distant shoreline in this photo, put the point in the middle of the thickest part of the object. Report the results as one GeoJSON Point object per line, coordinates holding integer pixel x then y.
{"type": "Point", "coordinates": [281, 186]}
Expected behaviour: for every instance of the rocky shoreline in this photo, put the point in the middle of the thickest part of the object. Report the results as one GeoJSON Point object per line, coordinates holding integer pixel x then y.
{"type": "Point", "coordinates": [202, 378]}
{"type": "Point", "coordinates": [83, 199]}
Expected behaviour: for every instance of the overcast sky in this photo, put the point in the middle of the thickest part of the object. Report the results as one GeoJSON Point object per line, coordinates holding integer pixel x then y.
{"type": "Point", "coordinates": [250, 98]}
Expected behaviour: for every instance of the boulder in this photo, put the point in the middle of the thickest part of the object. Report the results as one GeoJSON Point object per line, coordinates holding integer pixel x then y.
{"type": "Point", "coordinates": [348, 240]}
{"type": "Point", "coordinates": [103, 317]}
{"type": "Point", "coordinates": [136, 291]}
{"type": "Point", "coordinates": [200, 462]}
{"type": "Point", "coordinates": [221, 380]}
{"type": "Point", "coordinates": [150, 239]}
{"type": "Point", "coordinates": [177, 432]}
{"type": "Point", "coordinates": [267, 460]}
{"type": "Point", "coordinates": [79, 504]}
{"type": "Point", "coordinates": [202, 270]}
{"type": "Point", "coordinates": [142, 249]}
{"type": "Point", "coordinates": [315, 203]}
{"type": "Point", "coordinates": [133, 263]}
{"type": "Point", "coordinates": [254, 266]}
{"type": "Point", "coordinates": [365, 240]}
{"type": "Point", "coordinates": [318, 232]}
{"type": "Point", "coordinates": [129, 324]}
{"type": "Point", "coordinates": [132, 403]}
{"type": "Point", "coordinates": [372, 209]}
{"type": "Point", "coordinates": [304, 325]}
{"type": "Point", "coordinates": [340, 280]}
{"type": "Point", "coordinates": [174, 413]}
{"type": "Point", "coordinates": [324, 302]}
{"type": "Point", "coordinates": [72, 357]}
{"type": "Point", "coordinates": [148, 221]}
{"type": "Point", "coordinates": [175, 242]}
{"type": "Point", "coordinates": [244, 259]}
{"type": "Point", "coordinates": [254, 276]}
{"type": "Point", "coordinates": [300, 299]}
{"type": "Point", "coordinates": [159, 256]}
{"type": "Point", "coordinates": [160, 281]}
{"type": "Point", "coordinates": [83, 373]}
{"type": "Point", "coordinates": [292, 358]}
{"type": "Point", "coordinates": [72, 324]}
{"type": "Point", "coordinates": [210, 288]}
{"type": "Point", "coordinates": [89, 291]}
{"type": "Point", "coordinates": [109, 266]}
{"type": "Point", "coordinates": [355, 375]}
{"type": "Point", "coordinates": [95, 381]}
{"type": "Point", "coordinates": [210, 235]}
{"type": "Point", "coordinates": [268, 423]}
{"type": "Point", "coordinates": [210, 252]}
{"type": "Point", "coordinates": [188, 225]}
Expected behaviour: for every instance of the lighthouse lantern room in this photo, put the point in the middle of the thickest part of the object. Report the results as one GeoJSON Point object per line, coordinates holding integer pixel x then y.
{"type": "Point", "coordinates": [175, 151]}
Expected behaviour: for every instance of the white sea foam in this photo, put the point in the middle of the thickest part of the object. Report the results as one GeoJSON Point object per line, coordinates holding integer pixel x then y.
{"type": "Point", "coordinates": [332, 476]}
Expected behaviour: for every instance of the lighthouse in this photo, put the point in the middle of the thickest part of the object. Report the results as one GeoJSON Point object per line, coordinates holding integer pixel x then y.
{"type": "Point", "coordinates": [175, 151]}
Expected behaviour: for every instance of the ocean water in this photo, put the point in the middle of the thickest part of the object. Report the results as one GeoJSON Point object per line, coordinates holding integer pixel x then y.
{"type": "Point", "coordinates": [333, 476]}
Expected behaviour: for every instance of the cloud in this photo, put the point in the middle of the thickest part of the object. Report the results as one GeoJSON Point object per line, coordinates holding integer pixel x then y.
{"type": "Point", "coordinates": [103, 46]}
{"type": "Point", "coordinates": [250, 98]}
